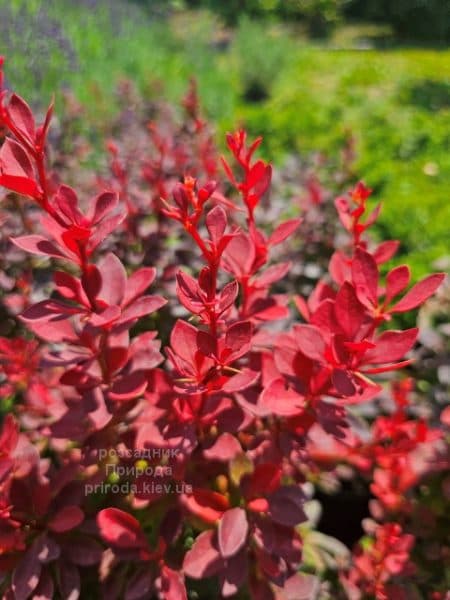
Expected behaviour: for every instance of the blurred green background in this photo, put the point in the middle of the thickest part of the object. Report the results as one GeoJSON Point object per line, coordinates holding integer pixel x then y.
{"type": "Point", "coordinates": [306, 74]}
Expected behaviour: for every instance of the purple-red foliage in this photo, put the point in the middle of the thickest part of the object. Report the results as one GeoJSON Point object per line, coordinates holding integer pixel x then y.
{"type": "Point", "coordinates": [230, 418]}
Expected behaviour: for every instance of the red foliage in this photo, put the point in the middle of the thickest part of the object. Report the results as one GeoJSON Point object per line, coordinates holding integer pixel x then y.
{"type": "Point", "coordinates": [232, 415]}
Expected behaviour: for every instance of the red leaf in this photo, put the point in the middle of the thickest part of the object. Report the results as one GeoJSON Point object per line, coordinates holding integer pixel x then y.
{"type": "Point", "coordinates": [103, 229]}
{"type": "Point", "coordinates": [114, 280]}
{"type": "Point", "coordinates": [263, 184]}
{"type": "Point", "coordinates": [365, 277]}
{"type": "Point", "coordinates": [206, 504]}
{"type": "Point", "coordinates": [116, 358]}
{"type": "Point", "coordinates": [36, 244]}
{"type": "Point", "coordinates": [66, 519]}
{"type": "Point", "coordinates": [121, 529]}
{"type": "Point", "coordinates": [138, 283]}
{"type": "Point", "coordinates": [203, 559]}
{"type": "Point", "coordinates": [225, 448]}
{"type": "Point", "coordinates": [128, 387]}
{"type": "Point", "coordinates": [54, 331]}
{"type": "Point", "coordinates": [91, 281]}
{"type": "Point", "coordinates": [239, 255]}
{"type": "Point", "coordinates": [206, 343]}
{"type": "Point", "coordinates": [271, 275]}
{"type": "Point", "coordinates": [385, 251]}
{"type": "Point", "coordinates": [142, 307]}
{"type": "Point", "coordinates": [265, 479]}
{"type": "Point", "coordinates": [301, 586]}
{"type": "Point", "coordinates": [268, 309]}
{"type": "Point", "coordinates": [257, 172]}
{"type": "Point", "coordinates": [216, 223]}
{"type": "Point", "coordinates": [286, 506]}
{"type": "Point", "coordinates": [14, 160]}
{"type": "Point", "coordinates": [391, 346]}
{"type": "Point", "coordinates": [339, 267]}
{"type": "Point", "coordinates": [238, 338]}
{"type": "Point", "coordinates": [419, 293]}
{"type": "Point", "coordinates": [310, 341]}
{"type": "Point", "coordinates": [189, 293]}
{"type": "Point", "coordinates": [183, 340]}
{"type": "Point", "coordinates": [373, 216]}
{"type": "Point", "coordinates": [396, 281]}
{"type": "Point", "coordinates": [67, 203]}
{"type": "Point", "coordinates": [10, 435]}
{"type": "Point", "coordinates": [228, 170]}
{"type": "Point", "coordinates": [69, 287]}
{"type": "Point", "coordinates": [105, 317]}
{"type": "Point", "coordinates": [228, 296]}
{"type": "Point", "coordinates": [20, 185]}
{"type": "Point", "coordinates": [283, 231]}
{"type": "Point", "coordinates": [232, 532]}
{"type": "Point", "coordinates": [281, 401]}
{"type": "Point", "coordinates": [348, 310]}
{"type": "Point", "coordinates": [240, 381]}
{"type": "Point", "coordinates": [48, 310]}
{"type": "Point", "coordinates": [22, 117]}
{"type": "Point", "coordinates": [343, 382]}
{"type": "Point", "coordinates": [104, 203]}
{"type": "Point", "coordinates": [172, 585]}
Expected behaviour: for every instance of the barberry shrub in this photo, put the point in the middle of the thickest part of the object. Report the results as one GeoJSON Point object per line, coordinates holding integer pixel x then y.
{"type": "Point", "coordinates": [127, 471]}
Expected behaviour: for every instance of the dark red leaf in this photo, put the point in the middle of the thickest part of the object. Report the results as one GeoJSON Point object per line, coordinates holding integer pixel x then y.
{"type": "Point", "coordinates": [26, 575]}
{"type": "Point", "coordinates": [139, 585]}
{"type": "Point", "coordinates": [69, 581]}
{"type": "Point", "coordinates": [286, 506]}
{"type": "Point", "coordinates": [66, 519]}
{"type": "Point", "coordinates": [104, 203]}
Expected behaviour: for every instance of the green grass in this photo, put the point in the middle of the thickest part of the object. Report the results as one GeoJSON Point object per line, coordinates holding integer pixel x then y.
{"type": "Point", "coordinates": [402, 145]}
{"type": "Point", "coordinates": [396, 102]}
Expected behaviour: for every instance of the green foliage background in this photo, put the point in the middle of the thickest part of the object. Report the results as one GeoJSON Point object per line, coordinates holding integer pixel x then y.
{"type": "Point", "coordinates": [301, 94]}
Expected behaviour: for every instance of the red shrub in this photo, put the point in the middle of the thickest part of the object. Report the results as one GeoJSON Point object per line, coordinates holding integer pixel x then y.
{"type": "Point", "coordinates": [123, 457]}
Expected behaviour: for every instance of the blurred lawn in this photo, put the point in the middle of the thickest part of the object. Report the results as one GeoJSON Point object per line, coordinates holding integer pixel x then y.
{"type": "Point", "coordinates": [301, 97]}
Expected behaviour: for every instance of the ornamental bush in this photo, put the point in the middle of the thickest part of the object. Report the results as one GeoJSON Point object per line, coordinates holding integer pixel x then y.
{"type": "Point", "coordinates": [171, 402]}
